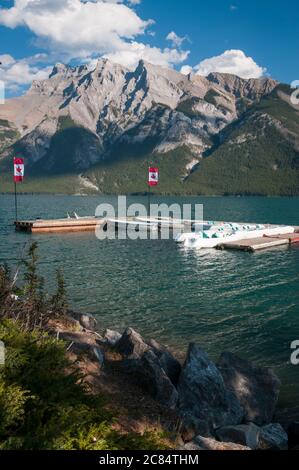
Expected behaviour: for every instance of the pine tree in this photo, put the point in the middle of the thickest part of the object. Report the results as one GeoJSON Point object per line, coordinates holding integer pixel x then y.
{"type": "Point", "coordinates": [59, 302]}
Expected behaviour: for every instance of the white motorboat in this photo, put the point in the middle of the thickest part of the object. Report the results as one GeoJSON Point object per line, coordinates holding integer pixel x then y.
{"type": "Point", "coordinates": [221, 233]}
{"type": "Point", "coordinates": [125, 224]}
{"type": "Point", "coordinates": [163, 222]}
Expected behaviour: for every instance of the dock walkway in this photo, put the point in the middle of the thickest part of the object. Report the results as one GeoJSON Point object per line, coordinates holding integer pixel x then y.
{"type": "Point", "coordinates": [87, 224]}
{"type": "Point", "coordinates": [261, 243]}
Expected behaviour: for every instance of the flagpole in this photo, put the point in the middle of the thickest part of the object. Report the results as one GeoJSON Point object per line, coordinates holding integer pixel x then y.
{"type": "Point", "coordinates": [149, 201]}
{"type": "Point", "coordinates": [18, 164]}
{"type": "Point", "coordinates": [16, 202]}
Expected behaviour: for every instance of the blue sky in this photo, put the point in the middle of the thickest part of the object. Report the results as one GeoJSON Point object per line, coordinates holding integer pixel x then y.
{"type": "Point", "coordinates": [249, 38]}
{"type": "Point", "coordinates": [267, 30]}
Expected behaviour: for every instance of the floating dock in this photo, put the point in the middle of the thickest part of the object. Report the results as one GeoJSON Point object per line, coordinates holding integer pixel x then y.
{"type": "Point", "coordinates": [255, 244]}
{"type": "Point", "coordinates": [83, 224]}
{"type": "Point", "coordinates": [89, 224]}
{"type": "Point", "coordinates": [292, 237]}
{"type": "Point", "coordinates": [262, 243]}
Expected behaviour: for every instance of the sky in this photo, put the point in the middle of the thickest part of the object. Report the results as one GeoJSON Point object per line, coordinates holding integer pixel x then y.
{"type": "Point", "coordinates": [249, 38]}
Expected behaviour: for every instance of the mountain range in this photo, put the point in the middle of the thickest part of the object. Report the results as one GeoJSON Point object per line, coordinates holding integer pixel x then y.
{"type": "Point", "coordinates": [96, 129]}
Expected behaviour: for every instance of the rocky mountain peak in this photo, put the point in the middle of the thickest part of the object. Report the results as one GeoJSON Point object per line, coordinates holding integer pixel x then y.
{"type": "Point", "coordinates": [111, 105]}
{"type": "Point", "coordinates": [105, 65]}
{"type": "Point", "coordinates": [59, 68]}
{"type": "Point", "coordinates": [243, 88]}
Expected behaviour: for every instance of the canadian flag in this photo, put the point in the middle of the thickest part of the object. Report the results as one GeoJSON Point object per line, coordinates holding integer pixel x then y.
{"type": "Point", "coordinates": [18, 169]}
{"type": "Point", "coordinates": [153, 176]}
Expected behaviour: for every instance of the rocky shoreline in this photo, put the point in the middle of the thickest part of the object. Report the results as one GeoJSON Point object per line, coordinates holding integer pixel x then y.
{"type": "Point", "coordinates": [228, 405]}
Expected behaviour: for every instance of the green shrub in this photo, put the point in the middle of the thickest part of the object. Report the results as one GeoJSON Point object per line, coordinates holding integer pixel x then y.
{"type": "Point", "coordinates": [44, 403]}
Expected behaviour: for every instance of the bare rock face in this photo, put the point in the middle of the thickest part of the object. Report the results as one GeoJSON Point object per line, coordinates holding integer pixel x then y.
{"type": "Point", "coordinates": [131, 345]}
{"type": "Point", "coordinates": [255, 388]}
{"type": "Point", "coordinates": [273, 437]}
{"type": "Point", "coordinates": [202, 392]}
{"type": "Point", "coordinates": [245, 434]}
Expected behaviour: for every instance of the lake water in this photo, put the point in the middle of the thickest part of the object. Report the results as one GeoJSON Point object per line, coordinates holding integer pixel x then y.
{"type": "Point", "coordinates": [241, 302]}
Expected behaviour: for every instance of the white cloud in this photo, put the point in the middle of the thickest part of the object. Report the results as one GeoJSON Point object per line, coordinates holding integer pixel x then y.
{"type": "Point", "coordinates": [231, 61]}
{"type": "Point", "coordinates": [78, 29]}
{"type": "Point", "coordinates": [176, 40]}
{"type": "Point", "coordinates": [186, 69]}
{"type": "Point", "coordinates": [74, 27]}
{"type": "Point", "coordinates": [131, 53]}
{"type": "Point", "coordinates": [18, 73]}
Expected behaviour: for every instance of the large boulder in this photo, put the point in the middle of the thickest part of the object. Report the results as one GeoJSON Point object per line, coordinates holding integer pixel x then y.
{"type": "Point", "coordinates": [131, 345]}
{"type": "Point", "coordinates": [155, 380]}
{"type": "Point", "coordinates": [273, 437]}
{"type": "Point", "coordinates": [111, 337]}
{"type": "Point", "coordinates": [149, 365]}
{"type": "Point", "coordinates": [245, 434]}
{"type": "Point", "coordinates": [202, 392]}
{"type": "Point", "coordinates": [255, 388]}
{"type": "Point", "coordinates": [169, 363]}
{"type": "Point", "coordinates": [207, 443]}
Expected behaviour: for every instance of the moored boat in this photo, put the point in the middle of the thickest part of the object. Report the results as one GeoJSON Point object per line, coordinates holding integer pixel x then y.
{"type": "Point", "coordinates": [213, 235]}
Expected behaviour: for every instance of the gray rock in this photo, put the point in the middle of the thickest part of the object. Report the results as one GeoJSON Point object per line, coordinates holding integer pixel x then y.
{"type": "Point", "coordinates": [131, 345]}
{"type": "Point", "coordinates": [202, 392]}
{"type": "Point", "coordinates": [111, 337]}
{"type": "Point", "coordinates": [244, 434]}
{"type": "Point", "coordinates": [99, 354]}
{"type": "Point", "coordinates": [86, 320]}
{"type": "Point", "coordinates": [169, 363]}
{"type": "Point", "coordinates": [273, 437]}
{"type": "Point", "coordinates": [255, 388]}
{"type": "Point", "coordinates": [206, 443]}
{"type": "Point", "coordinates": [156, 382]}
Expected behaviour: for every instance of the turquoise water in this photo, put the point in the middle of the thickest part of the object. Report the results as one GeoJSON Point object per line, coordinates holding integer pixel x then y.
{"type": "Point", "coordinates": [245, 303]}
